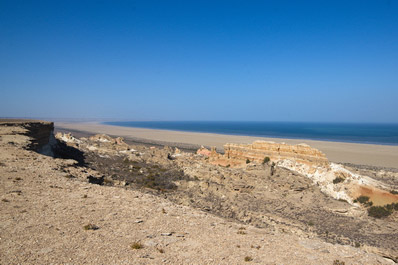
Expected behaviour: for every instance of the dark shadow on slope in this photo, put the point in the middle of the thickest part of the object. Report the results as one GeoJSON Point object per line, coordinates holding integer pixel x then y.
{"type": "Point", "coordinates": [62, 150]}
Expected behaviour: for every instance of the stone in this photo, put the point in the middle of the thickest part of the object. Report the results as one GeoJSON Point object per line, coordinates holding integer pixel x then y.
{"type": "Point", "coordinates": [203, 151]}
{"type": "Point", "coordinates": [244, 154]}
{"type": "Point", "coordinates": [258, 150]}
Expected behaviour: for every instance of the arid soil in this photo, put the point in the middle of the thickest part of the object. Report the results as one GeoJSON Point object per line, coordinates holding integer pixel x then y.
{"type": "Point", "coordinates": [177, 208]}
{"type": "Point", "coordinates": [260, 195]}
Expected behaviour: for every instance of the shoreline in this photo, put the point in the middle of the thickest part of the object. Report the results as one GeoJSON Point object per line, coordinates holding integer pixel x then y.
{"type": "Point", "coordinates": [259, 135]}
{"type": "Point", "coordinates": [341, 152]}
{"type": "Point", "coordinates": [192, 148]}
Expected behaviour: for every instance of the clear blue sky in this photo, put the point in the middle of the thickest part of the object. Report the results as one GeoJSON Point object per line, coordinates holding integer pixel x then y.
{"type": "Point", "coordinates": [200, 60]}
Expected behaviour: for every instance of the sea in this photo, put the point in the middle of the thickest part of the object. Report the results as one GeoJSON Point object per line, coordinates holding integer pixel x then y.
{"type": "Point", "coordinates": [384, 134]}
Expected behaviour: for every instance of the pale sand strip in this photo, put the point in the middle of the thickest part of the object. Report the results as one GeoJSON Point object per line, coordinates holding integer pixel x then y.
{"type": "Point", "coordinates": [362, 154]}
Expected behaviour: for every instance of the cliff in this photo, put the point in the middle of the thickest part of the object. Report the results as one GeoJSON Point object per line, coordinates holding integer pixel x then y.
{"type": "Point", "coordinates": [40, 133]}
{"type": "Point", "coordinates": [258, 150]}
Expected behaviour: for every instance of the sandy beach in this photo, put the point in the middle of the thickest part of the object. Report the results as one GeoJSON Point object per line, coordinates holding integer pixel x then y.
{"type": "Point", "coordinates": [360, 154]}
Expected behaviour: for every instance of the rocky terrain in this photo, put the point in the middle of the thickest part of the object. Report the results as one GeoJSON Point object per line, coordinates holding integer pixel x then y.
{"type": "Point", "coordinates": [101, 201]}
{"type": "Point", "coordinates": [258, 150]}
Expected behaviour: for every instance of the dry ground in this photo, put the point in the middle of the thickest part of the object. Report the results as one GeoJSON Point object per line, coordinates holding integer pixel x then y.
{"type": "Point", "coordinates": [43, 214]}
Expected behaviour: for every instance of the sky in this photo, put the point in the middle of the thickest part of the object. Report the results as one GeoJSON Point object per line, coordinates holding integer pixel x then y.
{"type": "Point", "coordinates": [328, 61]}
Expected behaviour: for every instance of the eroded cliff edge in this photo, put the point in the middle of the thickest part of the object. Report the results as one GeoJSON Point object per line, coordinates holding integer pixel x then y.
{"type": "Point", "coordinates": [40, 133]}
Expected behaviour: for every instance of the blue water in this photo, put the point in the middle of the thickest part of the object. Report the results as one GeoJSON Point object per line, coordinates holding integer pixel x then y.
{"type": "Point", "coordinates": [386, 134]}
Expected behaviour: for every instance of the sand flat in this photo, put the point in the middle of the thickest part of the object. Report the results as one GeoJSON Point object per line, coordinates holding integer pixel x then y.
{"type": "Point", "coordinates": [362, 154]}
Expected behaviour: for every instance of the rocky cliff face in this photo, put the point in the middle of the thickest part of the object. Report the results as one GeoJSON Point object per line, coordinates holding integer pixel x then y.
{"type": "Point", "coordinates": [238, 154]}
{"type": "Point", "coordinates": [40, 133]}
{"type": "Point", "coordinates": [258, 150]}
{"type": "Point", "coordinates": [333, 179]}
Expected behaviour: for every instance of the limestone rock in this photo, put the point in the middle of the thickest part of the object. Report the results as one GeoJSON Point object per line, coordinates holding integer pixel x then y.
{"type": "Point", "coordinates": [258, 150]}
{"type": "Point", "coordinates": [102, 138]}
{"type": "Point", "coordinates": [203, 151]}
{"type": "Point", "coordinates": [67, 138]}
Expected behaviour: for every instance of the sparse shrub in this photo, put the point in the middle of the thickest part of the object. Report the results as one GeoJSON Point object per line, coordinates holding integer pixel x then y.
{"type": "Point", "coordinates": [393, 206]}
{"type": "Point", "coordinates": [90, 227]}
{"type": "Point", "coordinates": [5, 200]}
{"type": "Point", "coordinates": [342, 200]}
{"type": "Point", "coordinates": [69, 176]}
{"type": "Point", "coordinates": [85, 196]}
{"type": "Point", "coordinates": [338, 262]}
{"type": "Point", "coordinates": [379, 211]}
{"type": "Point", "coordinates": [394, 191]}
{"type": "Point", "coordinates": [241, 232]}
{"type": "Point", "coordinates": [382, 211]}
{"type": "Point", "coordinates": [310, 223]}
{"type": "Point", "coordinates": [357, 245]}
{"type": "Point", "coordinates": [338, 180]}
{"type": "Point", "coordinates": [247, 161]}
{"type": "Point", "coordinates": [266, 160]}
{"type": "Point", "coordinates": [247, 258]}
{"type": "Point", "coordinates": [137, 245]}
{"type": "Point", "coordinates": [227, 166]}
{"type": "Point", "coordinates": [362, 199]}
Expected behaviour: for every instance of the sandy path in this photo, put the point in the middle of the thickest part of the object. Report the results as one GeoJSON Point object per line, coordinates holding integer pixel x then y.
{"type": "Point", "coordinates": [362, 154]}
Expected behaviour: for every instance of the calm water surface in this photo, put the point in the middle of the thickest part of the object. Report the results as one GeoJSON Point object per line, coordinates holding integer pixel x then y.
{"type": "Point", "coordinates": [386, 134]}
